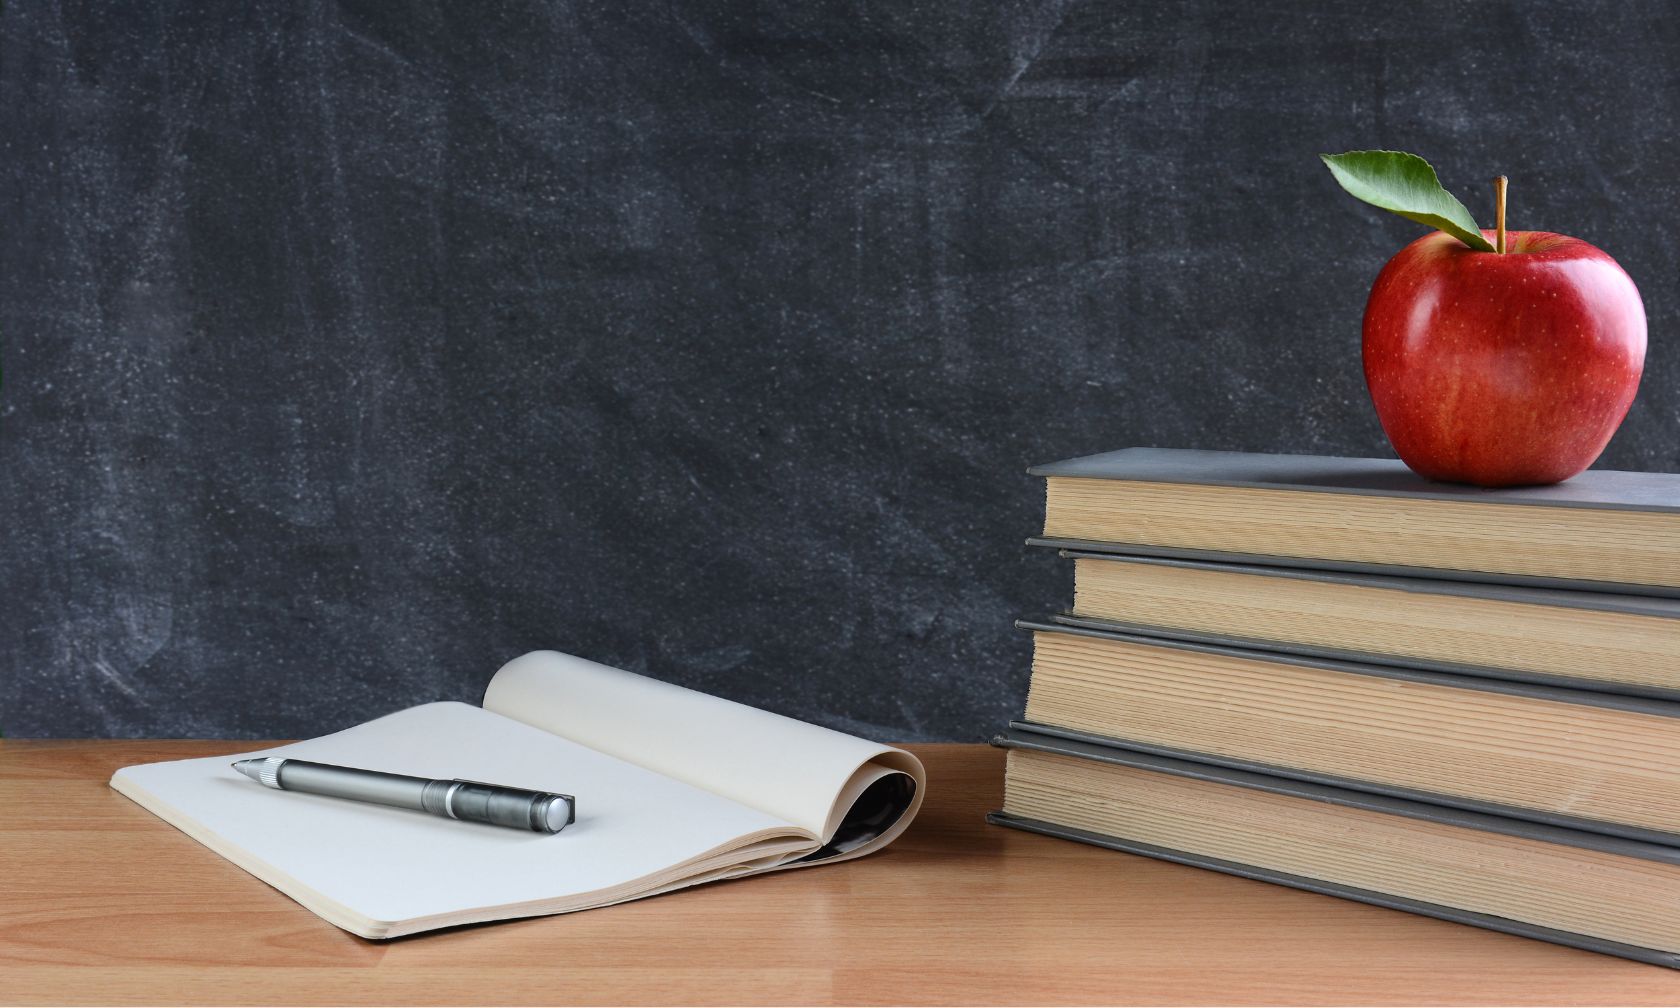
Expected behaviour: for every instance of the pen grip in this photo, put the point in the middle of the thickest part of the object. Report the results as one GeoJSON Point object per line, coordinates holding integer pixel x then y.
{"type": "Point", "coordinates": [396, 790]}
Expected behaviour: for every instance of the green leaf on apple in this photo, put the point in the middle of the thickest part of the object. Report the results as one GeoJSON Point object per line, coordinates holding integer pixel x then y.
{"type": "Point", "coordinates": [1407, 185]}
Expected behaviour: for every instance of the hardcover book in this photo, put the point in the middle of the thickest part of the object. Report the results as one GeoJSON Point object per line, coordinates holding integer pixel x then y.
{"type": "Point", "coordinates": [1586, 760]}
{"type": "Point", "coordinates": [1587, 640]}
{"type": "Point", "coordinates": [1602, 893]}
{"type": "Point", "coordinates": [674, 788]}
{"type": "Point", "coordinates": [1601, 530]}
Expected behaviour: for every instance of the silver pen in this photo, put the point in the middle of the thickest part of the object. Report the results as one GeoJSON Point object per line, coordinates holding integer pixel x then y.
{"type": "Point", "coordinates": [541, 811]}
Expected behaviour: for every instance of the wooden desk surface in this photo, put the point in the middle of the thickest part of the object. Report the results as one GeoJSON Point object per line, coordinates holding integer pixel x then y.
{"type": "Point", "coordinates": [100, 903]}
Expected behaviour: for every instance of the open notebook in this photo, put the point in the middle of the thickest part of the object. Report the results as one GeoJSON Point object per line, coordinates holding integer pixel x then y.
{"type": "Point", "coordinates": [674, 788]}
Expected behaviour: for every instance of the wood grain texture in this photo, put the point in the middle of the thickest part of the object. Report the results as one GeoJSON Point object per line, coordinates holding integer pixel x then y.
{"type": "Point", "coordinates": [105, 904]}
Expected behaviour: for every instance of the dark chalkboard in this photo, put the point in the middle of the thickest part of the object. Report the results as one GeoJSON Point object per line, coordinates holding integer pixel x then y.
{"type": "Point", "coordinates": [351, 349]}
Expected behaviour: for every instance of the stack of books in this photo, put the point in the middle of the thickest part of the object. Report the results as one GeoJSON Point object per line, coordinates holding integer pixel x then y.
{"type": "Point", "coordinates": [1334, 675]}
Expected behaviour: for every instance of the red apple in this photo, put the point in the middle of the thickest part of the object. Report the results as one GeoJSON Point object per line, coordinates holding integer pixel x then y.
{"type": "Point", "coordinates": [1502, 369]}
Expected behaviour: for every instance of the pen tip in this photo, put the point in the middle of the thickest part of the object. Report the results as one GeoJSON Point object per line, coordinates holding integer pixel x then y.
{"type": "Point", "coordinates": [263, 770]}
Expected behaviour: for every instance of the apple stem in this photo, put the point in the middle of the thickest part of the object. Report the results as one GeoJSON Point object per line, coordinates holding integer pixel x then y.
{"type": "Point", "coordinates": [1499, 214]}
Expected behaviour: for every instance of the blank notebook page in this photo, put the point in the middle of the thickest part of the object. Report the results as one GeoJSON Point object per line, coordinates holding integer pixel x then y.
{"type": "Point", "coordinates": [392, 865]}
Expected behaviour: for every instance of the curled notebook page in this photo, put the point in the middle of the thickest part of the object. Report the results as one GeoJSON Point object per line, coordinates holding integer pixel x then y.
{"type": "Point", "coordinates": [854, 794]}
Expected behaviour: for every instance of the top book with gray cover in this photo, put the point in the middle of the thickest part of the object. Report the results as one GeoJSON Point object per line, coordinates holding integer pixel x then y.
{"type": "Point", "coordinates": [1601, 530]}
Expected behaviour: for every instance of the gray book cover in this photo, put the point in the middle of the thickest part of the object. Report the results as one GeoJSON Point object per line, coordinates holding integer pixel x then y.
{"type": "Point", "coordinates": [1599, 489]}
{"type": "Point", "coordinates": [1595, 489]}
{"type": "Point", "coordinates": [1534, 691]}
{"type": "Point", "coordinates": [1020, 737]}
{"type": "Point", "coordinates": [1541, 598]}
